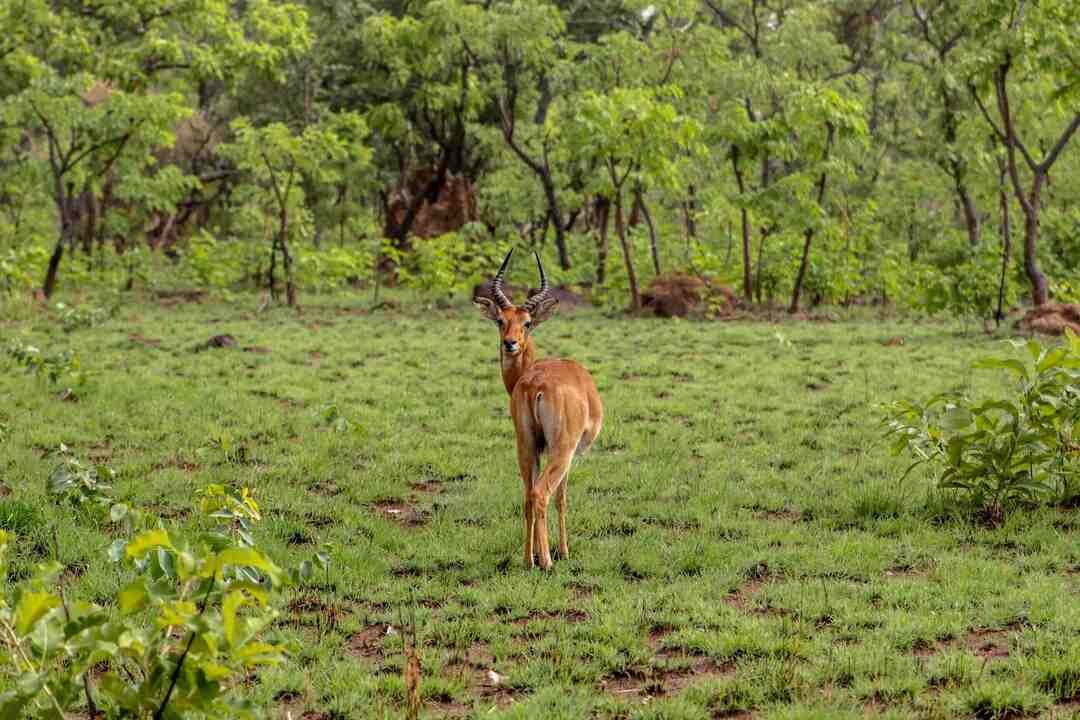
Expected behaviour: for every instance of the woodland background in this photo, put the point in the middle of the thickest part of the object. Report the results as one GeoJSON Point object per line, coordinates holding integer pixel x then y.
{"type": "Point", "coordinates": [919, 154]}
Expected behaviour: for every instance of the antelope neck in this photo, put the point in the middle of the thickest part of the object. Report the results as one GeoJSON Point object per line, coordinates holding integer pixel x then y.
{"type": "Point", "coordinates": [514, 366]}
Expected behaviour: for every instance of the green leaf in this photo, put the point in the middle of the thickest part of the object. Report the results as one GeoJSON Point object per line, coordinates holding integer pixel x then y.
{"type": "Point", "coordinates": [1014, 366]}
{"type": "Point", "coordinates": [957, 418]}
{"type": "Point", "coordinates": [133, 598]}
{"type": "Point", "coordinates": [31, 607]}
{"type": "Point", "coordinates": [232, 602]}
{"type": "Point", "coordinates": [151, 540]}
{"type": "Point", "coordinates": [248, 557]}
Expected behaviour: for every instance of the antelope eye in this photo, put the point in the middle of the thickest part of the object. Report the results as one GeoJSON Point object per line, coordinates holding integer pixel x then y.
{"type": "Point", "coordinates": [528, 323]}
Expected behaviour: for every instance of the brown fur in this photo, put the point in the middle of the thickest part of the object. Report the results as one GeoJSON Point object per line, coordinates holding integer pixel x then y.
{"type": "Point", "coordinates": [556, 409]}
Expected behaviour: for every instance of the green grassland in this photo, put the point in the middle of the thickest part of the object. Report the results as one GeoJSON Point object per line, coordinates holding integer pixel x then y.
{"type": "Point", "coordinates": [742, 544]}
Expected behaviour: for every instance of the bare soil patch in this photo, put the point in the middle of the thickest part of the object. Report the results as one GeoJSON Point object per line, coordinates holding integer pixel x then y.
{"type": "Point", "coordinates": [991, 644]}
{"type": "Point", "coordinates": [169, 298]}
{"type": "Point", "coordinates": [779, 515]}
{"type": "Point", "coordinates": [1051, 319]}
{"type": "Point", "coordinates": [401, 512]}
{"type": "Point", "coordinates": [659, 681]}
{"type": "Point", "coordinates": [216, 341]}
{"type": "Point", "coordinates": [138, 339]}
{"type": "Point", "coordinates": [986, 643]}
{"type": "Point", "coordinates": [569, 616]}
{"type": "Point", "coordinates": [325, 488]}
{"type": "Point", "coordinates": [368, 642]}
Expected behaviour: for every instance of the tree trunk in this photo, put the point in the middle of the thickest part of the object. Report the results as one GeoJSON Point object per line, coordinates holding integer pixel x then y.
{"type": "Point", "coordinates": [971, 214]}
{"type": "Point", "coordinates": [68, 227]}
{"type": "Point", "coordinates": [744, 215]}
{"type": "Point", "coordinates": [1040, 293]}
{"type": "Point", "coordinates": [620, 229]}
{"type": "Point", "coordinates": [290, 285]}
{"type": "Point", "coordinates": [803, 264]}
{"type": "Point", "coordinates": [1006, 248]}
{"type": "Point", "coordinates": [54, 266]}
{"type": "Point", "coordinates": [652, 229]}
{"type": "Point", "coordinates": [809, 234]}
{"type": "Point", "coordinates": [271, 273]}
{"type": "Point", "coordinates": [603, 207]}
{"type": "Point", "coordinates": [690, 212]}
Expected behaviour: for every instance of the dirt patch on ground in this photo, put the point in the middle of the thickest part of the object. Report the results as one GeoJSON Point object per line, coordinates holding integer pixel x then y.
{"type": "Point", "coordinates": [568, 616]}
{"type": "Point", "coordinates": [368, 642]}
{"type": "Point", "coordinates": [581, 590]}
{"type": "Point", "coordinates": [137, 339]}
{"type": "Point", "coordinates": [401, 512]}
{"type": "Point", "coordinates": [325, 488]}
{"type": "Point", "coordinates": [986, 643]}
{"type": "Point", "coordinates": [178, 463]}
{"type": "Point", "coordinates": [905, 571]}
{"type": "Point", "coordinates": [1051, 319]}
{"type": "Point", "coordinates": [673, 676]}
{"type": "Point", "coordinates": [779, 515]}
{"type": "Point", "coordinates": [217, 341]}
{"type": "Point", "coordinates": [291, 704]}
{"type": "Point", "coordinates": [476, 669]}
{"type": "Point", "coordinates": [169, 298]}
{"type": "Point", "coordinates": [991, 644]}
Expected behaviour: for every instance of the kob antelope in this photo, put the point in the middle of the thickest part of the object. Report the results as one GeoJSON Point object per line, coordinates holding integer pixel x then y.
{"type": "Point", "coordinates": [553, 403]}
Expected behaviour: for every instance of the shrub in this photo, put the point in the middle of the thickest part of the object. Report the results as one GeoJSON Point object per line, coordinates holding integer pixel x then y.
{"type": "Point", "coordinates": [1008, 450]}
{"type": "Point", "coordinates": [186, 630]}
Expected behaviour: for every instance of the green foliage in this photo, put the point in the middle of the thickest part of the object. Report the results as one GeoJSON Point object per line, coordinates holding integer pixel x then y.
{"type": "Point", "coordinates": [450, 263]}
{"type": "Point", "coordinates": [185, 633]}
{"type": "Point", "coordinates": [20, 268]}
{"type": "Point", "coordinates": [54, 367]}
{"type": "Point", "coordinates": [73, 482]}
{"type": "Point", "coordinates": [78, 317]}
{"type": "Point", "coordinates": [1004, 451]}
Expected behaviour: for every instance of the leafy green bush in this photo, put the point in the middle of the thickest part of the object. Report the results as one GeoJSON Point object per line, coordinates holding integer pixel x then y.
{"type": "Point", "coordinates": [185, 632]}
{"type": "Point", "coordinates": [78, 317]}
{"type": "Point", "coordinates": [21, 269]}
{"type": "Point", "coordinates": [54, 367]}
{"type": "Point", "coordinates": [81, 485]}
{"type": "Point", "coordinates": [1002, 451]}
{"type": "Point", "coordinates": [452, 262]}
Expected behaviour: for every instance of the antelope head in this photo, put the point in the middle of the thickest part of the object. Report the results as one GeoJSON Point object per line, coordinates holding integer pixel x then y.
{"type": "Point", "coordinates": [516, 323]}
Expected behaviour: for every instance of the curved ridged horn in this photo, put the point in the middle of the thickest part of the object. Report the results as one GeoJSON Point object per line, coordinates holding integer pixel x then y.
{"type": "Point", "coordinates": [544, 290]}
{"type": "Point", "coordinates": [497, 285]}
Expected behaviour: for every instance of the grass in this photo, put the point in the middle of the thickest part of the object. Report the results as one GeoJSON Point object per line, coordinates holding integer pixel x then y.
{"type": "Point", "coordinates": [741, 545]}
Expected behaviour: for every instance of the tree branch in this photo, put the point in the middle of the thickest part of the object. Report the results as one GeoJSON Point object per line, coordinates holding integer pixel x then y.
{"type": "Point", "coordinates": [1062, 141]}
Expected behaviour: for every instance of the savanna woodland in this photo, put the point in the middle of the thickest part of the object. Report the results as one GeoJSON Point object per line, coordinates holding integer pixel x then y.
{"type": "Point", "coordinates": [821, 257]}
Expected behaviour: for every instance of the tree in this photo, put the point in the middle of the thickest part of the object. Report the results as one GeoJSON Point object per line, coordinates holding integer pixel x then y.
{"type": "Point", "coordinates": [104, 86]}
{"type": "Point", "coordinates": [1026, 55]}
{"type": "Point", "coordinates": [635, 136]}
{"type": "Point", "coordinates": [279, 160]}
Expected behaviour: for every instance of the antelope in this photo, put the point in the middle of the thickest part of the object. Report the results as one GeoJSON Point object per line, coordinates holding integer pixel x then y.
{"type": "Point", "coordinates": [554, 405]}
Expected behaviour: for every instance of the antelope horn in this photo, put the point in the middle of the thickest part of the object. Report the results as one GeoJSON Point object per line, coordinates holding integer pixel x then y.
{"type": "Point", "coordinates": [544, 290]}
{"type": "Point", "coordinates": [497, 286]}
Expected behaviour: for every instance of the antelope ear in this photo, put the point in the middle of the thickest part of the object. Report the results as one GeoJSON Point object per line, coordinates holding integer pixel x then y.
{"type": "Point", "coordinates": [544, 309]}
{"type": "Point", "coordinates": [487, 308]}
